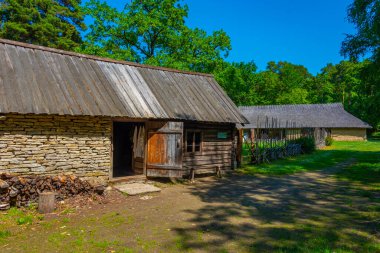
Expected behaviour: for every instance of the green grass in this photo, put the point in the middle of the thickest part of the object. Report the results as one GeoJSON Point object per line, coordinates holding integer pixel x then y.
{"type": "Point", "coordinates": [375, 135]}
{"type": "Point", "coordinates": [366, 169]}
{"type": "Point", "coordinates": [364, 154]}
{"type": "Point", "coordinates": [4, 234]}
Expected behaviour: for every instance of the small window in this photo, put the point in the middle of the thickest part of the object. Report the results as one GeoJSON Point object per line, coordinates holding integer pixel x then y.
{"type": "Point", "coordinates": [222, 135]}
{"type": "Point", "coordinates": [193, 141]}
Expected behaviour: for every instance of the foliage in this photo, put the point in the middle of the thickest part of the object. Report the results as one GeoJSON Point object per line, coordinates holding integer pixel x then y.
{"type": "Point", "coordinates": [329, 141]}
{"type": "Point", "coordinates": [280, 83]}
{"type": "Point", "coordinates": [237, 79]}
{"type": "Point", "coordinates": [52, 23]}
{"type": "Point", "coordinates": [364, 14]}
{"type": "Point", "coordinates": [153, 32]}
{"type": "Point", "coordinates": [375, 135]}
{"type": "Point", "coordinates": [307, 144]}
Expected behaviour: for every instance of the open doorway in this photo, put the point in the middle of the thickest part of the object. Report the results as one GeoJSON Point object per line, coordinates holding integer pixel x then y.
{"type": "Point", "coordinates": [128, 149]}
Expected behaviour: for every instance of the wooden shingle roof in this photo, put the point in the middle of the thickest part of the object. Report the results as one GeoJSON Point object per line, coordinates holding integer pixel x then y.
{"type": "Point", "coordinates": [42, 80]}
{"type": "Point", "coordinates": [304, 115]}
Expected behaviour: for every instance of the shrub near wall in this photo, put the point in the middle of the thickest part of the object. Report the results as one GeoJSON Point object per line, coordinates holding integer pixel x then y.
{"type": "Point", "coordinates": [307, 144]}
{"type": "Point", "coordinates": [52, 145]}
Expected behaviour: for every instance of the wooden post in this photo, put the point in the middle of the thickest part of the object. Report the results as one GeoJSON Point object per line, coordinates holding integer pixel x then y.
{"type": "Point", "coordinates": [218, 172]}
{"type": "Point", "coordinates": [46, 202]}
{"type": "Point", "coordinates": [192, 175]}
{"type": "Point", "coordinates": [239, 147]}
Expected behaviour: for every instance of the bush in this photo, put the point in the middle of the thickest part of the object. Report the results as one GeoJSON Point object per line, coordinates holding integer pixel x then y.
{"type": "Point", "coordinates": [307, 144]}
{"type": "Point", "coordinates": [329, 141]}
{"type": "Point", "coordinates": [375, 135]}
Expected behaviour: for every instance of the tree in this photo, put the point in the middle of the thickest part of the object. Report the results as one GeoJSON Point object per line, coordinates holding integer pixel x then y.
{"type": "Point", "coordinates": [365, 15]}
{"type": "Point", "coordinates": [284, 83]}
{"type": "Point", "coordinates": [52, 23]}
{"type": "Point", "coordinates": [341, 81]}
{"type": "Point", "coordinates": [153, 32]}
{"type": "Point", "coordinates": [238, 80]}
{"type": "Point", "coordinates": [266, 85]}
{"type": "Point", "coordinates": [322, 89]}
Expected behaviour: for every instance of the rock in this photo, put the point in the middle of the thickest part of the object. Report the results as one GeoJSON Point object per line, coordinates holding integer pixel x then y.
{"type": "Point", "coordinates": [14, 192]}
{"type": "Point", "coordinates": [3, 185]}
{"type": "Point", "coordinates": [14, 180]}
{"type": "Point", "coordinates": [100, 189]}
{"type": "Point", "coordinates": [4, 206]}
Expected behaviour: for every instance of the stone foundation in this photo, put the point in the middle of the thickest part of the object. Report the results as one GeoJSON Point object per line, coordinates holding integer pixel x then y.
{"type": "Point", "coordinates": [52, 145]}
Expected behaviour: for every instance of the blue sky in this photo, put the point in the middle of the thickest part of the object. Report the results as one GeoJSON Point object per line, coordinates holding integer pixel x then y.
{"type": "Point", "coordinates": [307, 32]}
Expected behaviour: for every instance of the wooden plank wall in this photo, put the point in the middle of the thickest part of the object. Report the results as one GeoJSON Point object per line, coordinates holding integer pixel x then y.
{"type": "Point", "coordinates": [138, 165]}
{"type": "Point", "coordinates": [214, 151]}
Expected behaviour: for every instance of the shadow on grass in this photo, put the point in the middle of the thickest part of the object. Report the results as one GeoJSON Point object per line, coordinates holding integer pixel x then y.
{"type": "Point", "coordinates": [310, 212]}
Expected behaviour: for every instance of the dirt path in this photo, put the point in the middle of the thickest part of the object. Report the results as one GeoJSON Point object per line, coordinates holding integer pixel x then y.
{"type": "Point", "coordinates": [309, 211]}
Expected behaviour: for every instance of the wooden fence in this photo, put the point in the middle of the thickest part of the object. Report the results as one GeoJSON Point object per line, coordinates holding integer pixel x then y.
{"type": "Point", "coordinates": [271, 140]}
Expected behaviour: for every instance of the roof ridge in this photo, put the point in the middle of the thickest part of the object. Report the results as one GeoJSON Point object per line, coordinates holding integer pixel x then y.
{"type": "Point", "coordinates": [97, 58]}
{"type": "Point", "coordinates": [287, 105]}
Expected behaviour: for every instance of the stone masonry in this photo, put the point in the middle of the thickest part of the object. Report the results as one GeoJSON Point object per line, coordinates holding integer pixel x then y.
{"type": "Point", "coordinates": [55, 145]}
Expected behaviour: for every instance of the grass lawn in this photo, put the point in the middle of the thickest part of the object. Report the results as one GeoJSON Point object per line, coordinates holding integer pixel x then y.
{"type": "Point", "coordinates": [364, 155]}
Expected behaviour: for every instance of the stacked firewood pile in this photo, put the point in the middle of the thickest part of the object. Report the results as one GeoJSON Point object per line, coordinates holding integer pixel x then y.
{"type": "Point", "coordinates": [23, 190]}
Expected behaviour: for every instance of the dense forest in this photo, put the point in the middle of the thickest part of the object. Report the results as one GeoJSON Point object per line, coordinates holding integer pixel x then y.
{"type": "Point", "coordinates": [155, 32]}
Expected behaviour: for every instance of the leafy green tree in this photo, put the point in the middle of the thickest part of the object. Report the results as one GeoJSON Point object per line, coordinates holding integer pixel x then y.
{"type": "Point", "coordinates": [266, 85]}
{"type": "Point", "coordinates": [365, 15]}
{"type": "Point", "coordinates": [153, 32]}
{"type": "Point", "coordinates": [322, 88]}
{"type": "Point", "coordinates": [283, 83]}
{"type": "Point", "coordinates": [52, 23]}
{"type": "Point", "coordinates": [238, 80]}
{"type": "Point", "coordinates": [342, 80]}
{"type": "Point", "coordinates": [294, 96]}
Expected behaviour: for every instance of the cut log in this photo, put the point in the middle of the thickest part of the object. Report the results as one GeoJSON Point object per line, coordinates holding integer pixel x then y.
{"type": "Point", "coordinates": [46, 202]}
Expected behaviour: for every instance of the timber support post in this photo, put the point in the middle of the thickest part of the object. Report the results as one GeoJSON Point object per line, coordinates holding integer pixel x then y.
{"type": "Point", "coordinates": [239, 147]}
{"type": "Point", "coordinates": [218, 172]}
{"type": "Point", "coordinates": [192, 175]}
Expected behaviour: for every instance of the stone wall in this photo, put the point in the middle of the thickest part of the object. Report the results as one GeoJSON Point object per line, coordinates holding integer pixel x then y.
{"type": "Point", "coordinates": [51, 145]}
{"type": "Point", "coordinates": [349, 134]}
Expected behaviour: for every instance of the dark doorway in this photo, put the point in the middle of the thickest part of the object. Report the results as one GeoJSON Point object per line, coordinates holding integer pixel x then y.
{"type": "Point", "coordinates": [123, 149]}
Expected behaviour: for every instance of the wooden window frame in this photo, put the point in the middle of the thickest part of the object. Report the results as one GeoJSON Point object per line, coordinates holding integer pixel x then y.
{"type": "Point", "coordinates": [193, 144]}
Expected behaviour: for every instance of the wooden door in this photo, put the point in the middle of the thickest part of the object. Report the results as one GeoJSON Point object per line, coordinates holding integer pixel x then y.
{"type": "Point", "coordinates": [165, 150]}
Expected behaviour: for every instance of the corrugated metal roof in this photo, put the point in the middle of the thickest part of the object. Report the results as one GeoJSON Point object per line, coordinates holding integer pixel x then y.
{"type": "Point", "coordinates": [305, 115]}
{"type": "Point", "coordinates": [42, 80]}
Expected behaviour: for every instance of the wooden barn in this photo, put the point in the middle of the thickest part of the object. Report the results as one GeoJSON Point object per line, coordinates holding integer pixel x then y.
{"type": "Point", "coordinates": [321, 119]}
{"type": "Point", "coordinates": [68, 113]}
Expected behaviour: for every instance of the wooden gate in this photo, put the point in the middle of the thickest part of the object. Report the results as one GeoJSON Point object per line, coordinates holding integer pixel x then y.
{"type": "Point", "coordinates": [165, 150]}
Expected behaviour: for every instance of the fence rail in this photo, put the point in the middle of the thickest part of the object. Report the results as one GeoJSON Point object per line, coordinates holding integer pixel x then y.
{"type": "Point", "coordinates": [272, 141]}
